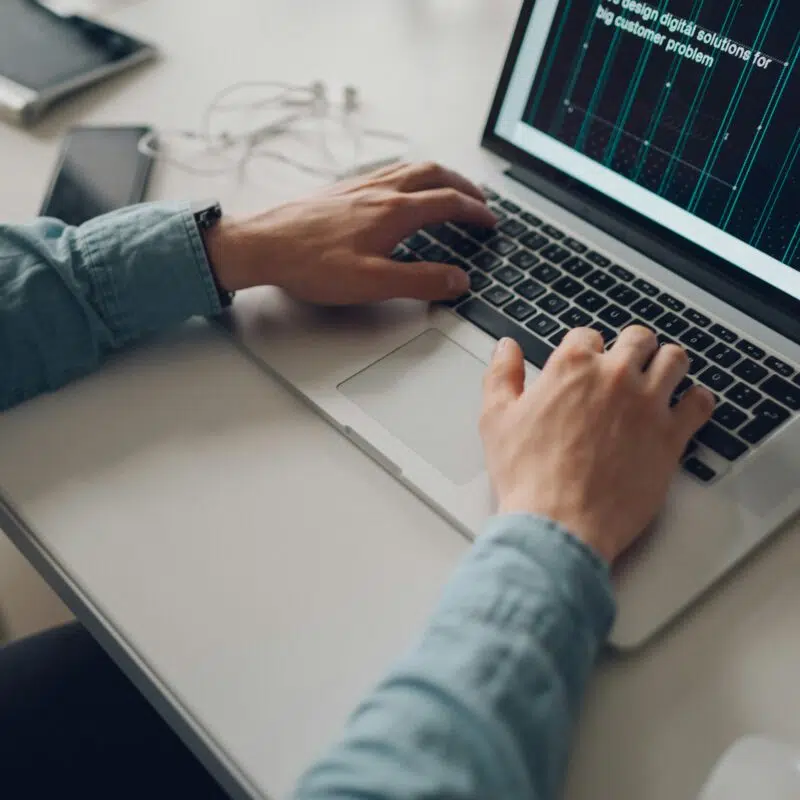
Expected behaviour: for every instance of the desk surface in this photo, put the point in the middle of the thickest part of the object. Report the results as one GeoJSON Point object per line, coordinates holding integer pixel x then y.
{"type": "Point", "coordinates": [248, 567]}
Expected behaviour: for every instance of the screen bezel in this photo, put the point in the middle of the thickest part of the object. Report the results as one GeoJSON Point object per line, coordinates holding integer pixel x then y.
{"type": "Point", "coordinates": [730, 283]}
{"type": "Point", "coordinates": [144, 163]}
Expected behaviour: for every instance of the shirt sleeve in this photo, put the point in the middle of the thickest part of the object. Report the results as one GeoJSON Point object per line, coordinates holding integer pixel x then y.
{"type": "Point", "coordinates": [484, 705]}
{"type": "Point", "coordinates": [70, 295]}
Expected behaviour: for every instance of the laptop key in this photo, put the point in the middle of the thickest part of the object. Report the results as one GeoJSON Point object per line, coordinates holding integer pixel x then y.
{"type": "Point", "coordinates": [647, 309]}
{"type": "Point", "coordinates": [697, 339]}
{"type": "Point", "coordinates": [546, 272]}
{"type": "Point", "coordinates": [696, 318]}
{"type": "Point", "coordinates": [489, 194]}
{"type": "Point", "coordinates": [555, 253]}
{"type": "Point", "coordinates": [418, 241]}
{"type": "Point", "coordinates": [530, 289]}
{"type": "Point", "coordinates": [623, 295]}
{"type": "Point", "coordinates": [553, 304]}
{"type": "Point", "coordinates": [696, 363]}
{"type": "Point", "coordinates": [574, 244]}
{"type": "Point", "coordinates": [645, 288]}
{"type": "Point", "coordinates": [575, 318]}
{"type": "Point", "coordinates": [552, 232]}
{"type": "Point", "coordinates": [524, 259]}
{"type": "Point", "coordinates": [478, 233]}
{"type": "Point", "coordinates": [743, 396]}
{"type": "Point", "coordinates": [501, 245]}
{"type": "Point", "coordinates": [558, 337]}
{"type": "Point", "coordinates": [478, 281]}
{"type": "Point", "coordinates": [672, 324]}
{"type": "Point", "coordinates": [567, 287]}
{"type": "Point", "coordinates": [716, 379]}
{"type": "Point", "coordinates": [464, 247]}
{"type": "Point", "coordinates": [782, 391]}
{"type": "Point", "coordinates": [767, 417]}
{"type": "Point", "coordinates": [531, 219]}
{"type": "Point", "coordinates": [543, 325]}
{"type": "Point", "coordinates": [600, 281]}
{"type": "Point", "coordinates": [486, 261]}
{"type": "Point", "coordinates": [620, 272]}
{"type": "Point", "coordinates": [519, 310]}
{"type": "Point", "coordinates": [509, 206]}
{"type": "Point", "coordinates": [608, 334]}
{"type": "Point", "coordinates": [724, 356]}
{"type": "Point", "coordinates": [672, 303]}
{"type": "Point", "coordinates": [497, 325]}
{"type": "Point", "coordinates": [749, 349]}
{"type": "Point", "coordinates": [723, 333]}
{"type": "Point", "coordinates": [615, 316]}
{"type": "Point", "coordinates": [598, 259]}
{"type": "Point", "coordinates": [534, 241]}
{"type": "Point", "coordinates": [576, 267]}
{"type": "Point", "coordinates": [508, 276]}
{"type": "Point", "coordinates": [591, 301]}
{"type": "Point", "coordinates": [729, 416]}
{"type": "Point", "coordinates": [434, 252]}
{"type": "Point", "coordinates": [513, 227]}
{"type": "Point", "coordinates": [721, 442]}
{"type": "Point", "coordinates": [781, 367]}
{"type": "Point", "coordinates": [497, 295]}
{"type": "Point", "coordinates": [750, 372]}
{"type": "Point", "coordinates": [700, 470]}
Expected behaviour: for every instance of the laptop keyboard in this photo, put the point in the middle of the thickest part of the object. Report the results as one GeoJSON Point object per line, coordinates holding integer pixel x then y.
{"type": "Point", "coordinates": [533, 282]}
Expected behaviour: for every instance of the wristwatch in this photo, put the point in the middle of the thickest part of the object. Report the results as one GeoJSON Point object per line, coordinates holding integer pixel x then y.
{"type": "Point", "coordinates": [207, 214]}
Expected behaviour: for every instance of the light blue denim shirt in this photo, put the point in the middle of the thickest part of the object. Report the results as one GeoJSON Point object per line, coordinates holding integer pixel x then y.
{"type": "Point", "coordinates": [483, 706]}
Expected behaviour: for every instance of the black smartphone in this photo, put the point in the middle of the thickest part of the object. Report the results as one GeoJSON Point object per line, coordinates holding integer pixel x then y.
{"type": "Point", "coordinates": [99, 170]}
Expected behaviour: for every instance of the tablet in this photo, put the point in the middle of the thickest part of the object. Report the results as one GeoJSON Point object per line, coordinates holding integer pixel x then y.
{"type": "Point", "coordinates": [44, 57]}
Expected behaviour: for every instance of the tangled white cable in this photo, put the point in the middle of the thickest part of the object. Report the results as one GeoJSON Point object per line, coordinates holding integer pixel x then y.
{"type": "Point", "coordinates": [302, 114]}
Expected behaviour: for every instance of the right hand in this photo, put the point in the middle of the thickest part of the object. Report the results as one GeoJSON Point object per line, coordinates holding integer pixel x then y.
{"type": "Point", "coordinates": [593, 443]}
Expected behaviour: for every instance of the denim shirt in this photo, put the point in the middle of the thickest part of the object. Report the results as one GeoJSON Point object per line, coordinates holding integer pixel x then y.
{"type": "Point", "coordinates": [483, 706]}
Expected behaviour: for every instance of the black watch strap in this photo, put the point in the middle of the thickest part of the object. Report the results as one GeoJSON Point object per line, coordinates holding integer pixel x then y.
{"type": "Point", "coordinates": [206, 216]}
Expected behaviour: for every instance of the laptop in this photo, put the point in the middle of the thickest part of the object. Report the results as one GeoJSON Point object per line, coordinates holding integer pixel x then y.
{"type": "Point", "coordinates": [647, 171]}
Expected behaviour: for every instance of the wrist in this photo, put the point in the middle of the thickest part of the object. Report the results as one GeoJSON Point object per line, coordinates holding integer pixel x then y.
{"type": "Point", "coordinates": [231, 257]}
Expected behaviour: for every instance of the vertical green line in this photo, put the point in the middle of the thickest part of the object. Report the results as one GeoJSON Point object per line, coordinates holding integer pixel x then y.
{"type": "Point", "coordinates": [699, 97]}
{"type": "Point", "coordinates": [733, 108]}
{"type": "Point", "coordinates": [543, 80]}
{"type": "Point", "coordinates": [588, 33]}
{"type": "Point", "coordinates": [774, 196]}
{"type": "Point", "coordinates": [599, 88]}
{"type": "Point", "coordinates": [755, 145]}
{"type": "Point", "coordinates": [655, 122]}
{"type": "Point", "coordinates": [630, 94]}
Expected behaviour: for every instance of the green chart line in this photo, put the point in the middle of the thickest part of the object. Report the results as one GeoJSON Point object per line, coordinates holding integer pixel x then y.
{"type": "Point", "coordinates": [700, 94]}
{"type": "Point", "coordinates": [791, 250]}
{"type": "Point", "coordinates": [733, 108]}
{"type": "Point", "coordinates": [764, 126]}
{"type": "Point", "coordinates": [551, 59]}
{"type": "Point", "coordinates": [588, 32]}
{"type": "Point", "coordinates": [666, 92]}
{"type": "Point", "coordinates": [777, 189]}
{"type": "Point", "coordinates": [630, 94]}
{"type": "Point", "coordinates": [598, 89]}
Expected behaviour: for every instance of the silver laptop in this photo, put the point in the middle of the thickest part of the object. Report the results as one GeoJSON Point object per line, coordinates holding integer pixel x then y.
{"type": "Point", "coordinates": [647, 170]}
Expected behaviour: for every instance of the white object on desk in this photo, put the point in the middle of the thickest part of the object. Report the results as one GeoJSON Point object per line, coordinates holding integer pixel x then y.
{"type": "Point", "coordinates": [756, 769]}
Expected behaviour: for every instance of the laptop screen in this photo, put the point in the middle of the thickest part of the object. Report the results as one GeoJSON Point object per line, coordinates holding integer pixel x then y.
{"type": "Point", "coordinates": [685, 111]}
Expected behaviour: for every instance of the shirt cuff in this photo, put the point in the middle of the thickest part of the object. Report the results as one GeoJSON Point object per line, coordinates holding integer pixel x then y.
{"type": "Point", "coordinates": [148, 268]}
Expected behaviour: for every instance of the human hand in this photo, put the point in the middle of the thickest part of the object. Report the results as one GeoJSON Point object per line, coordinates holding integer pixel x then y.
{"type": "Point", "coordinates": [593, 443]}
{"type": "Point", "coordinates": [333, 249]}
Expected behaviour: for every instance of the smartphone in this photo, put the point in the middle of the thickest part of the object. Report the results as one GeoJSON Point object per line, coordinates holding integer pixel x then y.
{"type": "Point", "coordinates": [99, 170]}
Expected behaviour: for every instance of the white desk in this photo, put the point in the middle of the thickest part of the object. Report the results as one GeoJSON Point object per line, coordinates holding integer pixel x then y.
{"type": "Point", "coordinates": [250, 569]}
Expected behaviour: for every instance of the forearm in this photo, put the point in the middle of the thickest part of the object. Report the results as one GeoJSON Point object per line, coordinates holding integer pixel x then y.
{"type": "Point", "coordinates": [485, 705]}
{"type": "Point", "coordinates": [68, 295]}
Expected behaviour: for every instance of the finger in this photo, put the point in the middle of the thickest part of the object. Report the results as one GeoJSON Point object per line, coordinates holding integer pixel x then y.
{"type": "Point", "coordinates": [667, 369]}
{"type": "Point", "coordinates": [504, 381]}
{"type": "Point", "coordinates": [434, 206]}
{"type": "Point", "coordinates": [635, 346]}
{"type": "Point", "coordinates": [430, 175]}
{"type": "Point", "coordinates": [421, 280]}
{"type": "Point", "coordinates": [692, 412]}
{"type": "Point", "coordinates": [582, 339]}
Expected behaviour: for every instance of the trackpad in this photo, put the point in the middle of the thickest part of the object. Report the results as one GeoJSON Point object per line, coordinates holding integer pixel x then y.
{"type": "Point", "coordinates": [427, 394]}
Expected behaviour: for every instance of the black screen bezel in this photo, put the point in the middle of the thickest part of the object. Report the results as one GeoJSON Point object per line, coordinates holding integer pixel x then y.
{"type": "Point", "coordinates": [144, 163]}
{"type": "Point", "coordinates": [771, 306]}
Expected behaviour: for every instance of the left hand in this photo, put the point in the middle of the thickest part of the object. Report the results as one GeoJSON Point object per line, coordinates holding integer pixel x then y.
{"type": "Point", "coordinates": [333, 249]}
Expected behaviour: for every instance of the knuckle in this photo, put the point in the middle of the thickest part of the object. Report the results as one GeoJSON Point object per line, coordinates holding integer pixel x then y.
{"type": "Point", "coordinates": [675, 354]}
{"type": "Point", "coordinates": [431, 169]}
{"type": "Point", "coordinates": [620, 375]}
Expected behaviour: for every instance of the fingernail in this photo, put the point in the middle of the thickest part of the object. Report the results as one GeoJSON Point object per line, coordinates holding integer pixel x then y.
{"type": "Point", "coordinates": [708, 398]}
{"type": "Point", "coordinates": [501, 345]}
{"type": "Point", "coordinates": [457, 282]}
